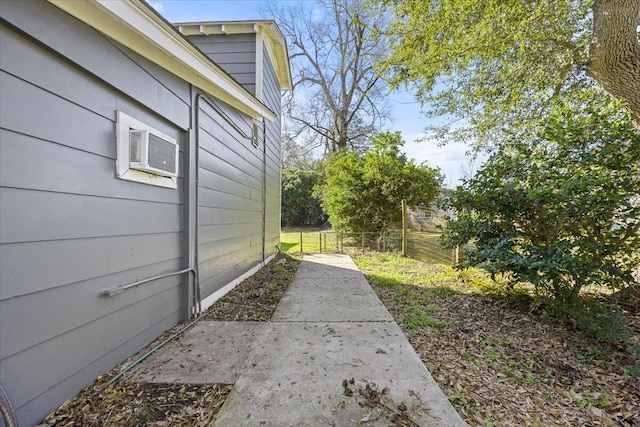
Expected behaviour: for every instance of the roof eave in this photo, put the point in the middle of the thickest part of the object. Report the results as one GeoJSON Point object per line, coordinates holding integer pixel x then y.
{"type": "Point", "coordinates": [276, 42]}
{"type": "Point", "coordinates": [135, 25]}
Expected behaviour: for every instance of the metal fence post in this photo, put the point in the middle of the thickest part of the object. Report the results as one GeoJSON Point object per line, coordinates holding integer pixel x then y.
{"type": "Point", "coordinates": [301, 242]}
{"type": "Point", "coordinates": [320, 236]}
{"type": "Point", "coordinates": [363, 243]}
{"type": "Point", "coordinates": [405, 249]}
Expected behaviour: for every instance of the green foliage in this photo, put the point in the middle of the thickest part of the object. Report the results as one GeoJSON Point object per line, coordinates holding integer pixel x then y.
{"type": "Point", "coordinates": [559, 209]}
{"type": "Point", "coordinates": [586, 354]}
{"type": "Point", "coordinates": [596, 321]}
{"type": "Point", "coordinates": [493, 63]}
{"type": "Point", "coordinates": [363, 192]}
{"type": "Point", "coordinates": [418, 317]}
{"type": "Point", "coordinates": [299, 205]}
{"type": "Point", "coordinates": [634, 370]}
{"type": "Point", "coordinates": [589, 399]}
{"type": "Point", "coordinates": [439, 291]}
{"type": "Point", "coordinates": [490, 354]}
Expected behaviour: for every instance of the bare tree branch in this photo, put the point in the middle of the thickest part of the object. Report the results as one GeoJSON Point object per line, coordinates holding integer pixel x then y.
{"type": "Point", "coordinates": [338, 97]}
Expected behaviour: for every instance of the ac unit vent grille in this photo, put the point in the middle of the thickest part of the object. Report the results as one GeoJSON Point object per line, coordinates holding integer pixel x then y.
{"type": "Point", "coordinates": [255, 134]}
{"type": "Point", "coordinates": [162, 154]}
{"type": "Point", "coordinates": [134, 146]}
{"type": "Point", "coordinates": [151, 152]}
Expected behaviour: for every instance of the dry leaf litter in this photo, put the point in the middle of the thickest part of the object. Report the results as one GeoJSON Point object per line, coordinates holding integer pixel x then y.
{"type": "Point", "coordinates": [128, 403]}
{"type": "Point", "coordinates": [502, 365]}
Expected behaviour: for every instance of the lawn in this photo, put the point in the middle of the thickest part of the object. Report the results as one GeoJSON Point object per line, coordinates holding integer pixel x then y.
{"type": "Point", "coordinates": [300, 241]}
{"type": "Point", "coordinates": [498, 362]}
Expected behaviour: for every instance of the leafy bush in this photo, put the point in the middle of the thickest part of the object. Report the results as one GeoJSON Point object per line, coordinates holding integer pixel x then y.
{"type": "Point", "coordinates": [363, 192]}
{"type": "Point", "coordinates": [600, 322]}
{"type": "Point", "coordinates": [559, 210]}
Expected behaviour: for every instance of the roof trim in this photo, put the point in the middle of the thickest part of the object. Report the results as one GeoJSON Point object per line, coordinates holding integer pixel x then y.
{"type": "Point", "coordinates": [138, 27]}
{"type": "Point", "coordinates": [274, 40]}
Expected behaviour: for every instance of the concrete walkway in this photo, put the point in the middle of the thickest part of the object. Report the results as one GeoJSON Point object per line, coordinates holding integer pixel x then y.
{"type": "Point", "coordinates": [329, 327]}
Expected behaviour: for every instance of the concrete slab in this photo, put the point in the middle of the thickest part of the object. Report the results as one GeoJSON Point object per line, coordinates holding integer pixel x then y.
{"type": "Point", "coordinates": [329, 327]}
{"type": "Point", "coordinates": [297, 371]}
{"type": "Point", "coordinates": [341, 306]}
{"type": "Point", "coordinates": [208, 353]}
{"type": "Point", "coordinates": [330, 288]}
{"type": "Point", "coordinates": [325, 267]}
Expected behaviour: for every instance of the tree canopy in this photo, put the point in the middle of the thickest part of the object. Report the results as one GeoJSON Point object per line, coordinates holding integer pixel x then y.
{"type": "Point", "coordinates": [496, 63]}
{"type": "Point", "coordinates": [299, 204]}
{"type": "Point", "coordinates": [363, 191]}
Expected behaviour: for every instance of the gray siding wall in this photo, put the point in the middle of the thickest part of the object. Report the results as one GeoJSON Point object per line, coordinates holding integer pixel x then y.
{"type": "Point", "coordinates": [272, 99]}
{"type": "Point", "coordinates": [236, 54]}
{"type": "Point", "coordinates": [230, 197]}
{"type": "Point", "coordinates": [68, 227]}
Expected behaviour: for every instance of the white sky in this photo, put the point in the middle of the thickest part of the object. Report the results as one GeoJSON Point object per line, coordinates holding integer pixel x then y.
{"type": "Point", "coordinates": [406, 112]}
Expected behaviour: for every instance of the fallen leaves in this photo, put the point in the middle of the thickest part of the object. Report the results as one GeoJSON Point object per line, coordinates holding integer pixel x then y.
{"type": "Point", "coordinates": [129, 403]}
{"type": "Point", "coordinates": [502, 365]}
{"type": "Point", "coordinates": [257, 297]}
{"type": "Point", "coordinates": [378, 404]}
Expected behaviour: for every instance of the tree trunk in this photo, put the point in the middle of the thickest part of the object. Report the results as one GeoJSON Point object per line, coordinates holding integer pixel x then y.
{"type": "Point", "coordinates": [342, 137]}
{"type": "Point", "coordinates": [614, 55]}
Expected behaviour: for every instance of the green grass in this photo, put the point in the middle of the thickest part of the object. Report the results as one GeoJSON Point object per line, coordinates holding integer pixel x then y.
{"type": "Point", "coordinates": [289, 246]}
{"type": "Point", "coordinates": [290, 242]}
{"type": "Point", "coordinates": [391, 269]}
{"type": "Point", "coordinates": [422, 246]}
{"type": "Point", "coordinates": [413, 286]}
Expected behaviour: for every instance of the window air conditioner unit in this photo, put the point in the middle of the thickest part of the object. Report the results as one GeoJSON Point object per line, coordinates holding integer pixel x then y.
{"type": "Point", "coordinates": [153, 153]}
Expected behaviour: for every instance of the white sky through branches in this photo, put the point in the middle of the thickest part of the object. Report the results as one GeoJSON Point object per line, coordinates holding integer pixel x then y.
{"type": "Point", "coordinates": [406, 116]}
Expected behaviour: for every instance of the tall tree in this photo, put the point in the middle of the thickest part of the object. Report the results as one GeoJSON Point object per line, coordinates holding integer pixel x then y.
{"type": "Point", "coordinates": [297, 156]}
{"type": "Point", "coordinates": [338, 99]}
{"type": "Point", "coordinates": [363, 192]}
{"type": "Point", "coordinates": [499, 62]}
{"type": "Point", "coordinates": [300, 206]}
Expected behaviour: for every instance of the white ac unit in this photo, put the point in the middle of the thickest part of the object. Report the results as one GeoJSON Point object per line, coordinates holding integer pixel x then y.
{"type": "Point", "coordinates": [153, 153]}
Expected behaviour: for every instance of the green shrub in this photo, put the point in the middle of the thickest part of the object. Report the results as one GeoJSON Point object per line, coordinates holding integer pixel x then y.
{"type": "Point", "coordinates": [559, 210]}
{"type": "Point", "coordinates": [596, 320]}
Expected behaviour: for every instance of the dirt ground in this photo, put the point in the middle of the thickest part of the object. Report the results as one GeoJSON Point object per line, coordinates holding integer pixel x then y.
{"type": "Point", "coordinates": [129, 403]}
{"type": "Point", "coordinates": [502, 365]}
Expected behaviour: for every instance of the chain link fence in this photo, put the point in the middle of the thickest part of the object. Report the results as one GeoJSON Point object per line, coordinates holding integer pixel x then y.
{"type": "Point", "coordinates": [422, 246]}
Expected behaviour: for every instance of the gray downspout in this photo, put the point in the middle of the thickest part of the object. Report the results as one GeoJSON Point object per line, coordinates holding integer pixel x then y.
{"type": "Point", "coordinates": [194, 183]}
{"type": "Point", "coordinates": [264, 190]}
{"type": "Point", "coordinates": [190, 212]}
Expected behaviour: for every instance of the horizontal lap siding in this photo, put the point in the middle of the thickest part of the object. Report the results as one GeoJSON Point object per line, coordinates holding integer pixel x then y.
{"type": "Point", "coordinates": [122, 69]}
{"type": "Point", "coordinates": [236, 54]}
{"type": "Point", "coordinates": [230, 199]}
{"type": "Point", "coordinates": [69, 228]}
{"type": "Point", "coordinates": [271, 97]}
